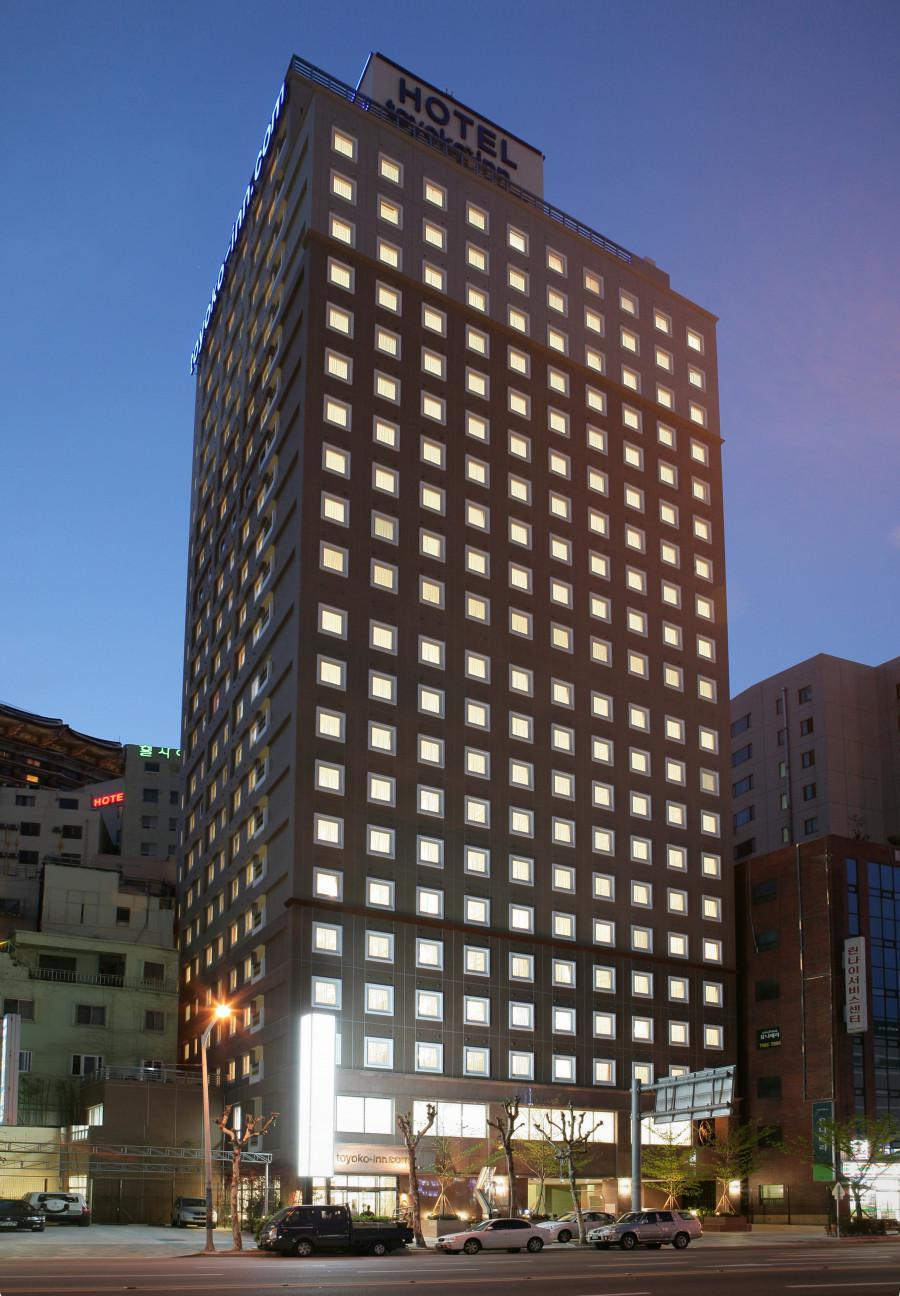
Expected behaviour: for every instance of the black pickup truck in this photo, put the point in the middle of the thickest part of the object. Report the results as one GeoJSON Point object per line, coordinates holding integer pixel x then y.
{"type": "Point", "coordinates": [301, 1230]}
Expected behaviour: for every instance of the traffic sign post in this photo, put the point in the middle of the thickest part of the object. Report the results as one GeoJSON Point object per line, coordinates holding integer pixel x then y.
{"type": "Point", "coordinates": [837, 1192]}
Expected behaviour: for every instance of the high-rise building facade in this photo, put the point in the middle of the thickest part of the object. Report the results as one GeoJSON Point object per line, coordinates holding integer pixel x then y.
{"type": "Point", "coordinates": [815, 749]}
{"type": "Point", "coordinates": [455, 692]}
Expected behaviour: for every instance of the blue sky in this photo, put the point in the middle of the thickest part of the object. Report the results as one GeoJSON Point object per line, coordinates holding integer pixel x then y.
{"type": "Point", "coordinates": [751, 149]}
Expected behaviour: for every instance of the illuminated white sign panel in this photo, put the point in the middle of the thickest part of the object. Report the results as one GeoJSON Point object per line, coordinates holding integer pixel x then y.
{"type": "Point", "coordinates": [856, 1011]}
{"type": "Point", "coordinates": [315, 1152]}
{"type": "Point", "coordinates": [238, 223]}
{"type": "Point", "coordinates": [10, 1032]}
{"type": "Point", "coordinates": [416, 102]}
{"type": "Point", "coordinates": [700, 1095]}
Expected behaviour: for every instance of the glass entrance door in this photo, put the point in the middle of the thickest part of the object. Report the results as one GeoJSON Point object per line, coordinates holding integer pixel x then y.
{"type": "Point", "coordinates": [366, 1193]}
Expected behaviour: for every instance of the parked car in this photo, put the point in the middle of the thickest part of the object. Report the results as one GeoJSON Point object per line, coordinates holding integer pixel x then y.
{"type": "Point", "coordinates": [18, 1214]}
{"type": "Point", "coordinates": [648, 1228]}
{"type": "Point", "coordinates": [61, 1207]}
{"type": "Point", "coordinates": [494, 1235]}
{"type": "Point", "coordinates": [301, 1230]}
{"type": "Point", "coordinates": [566, 1227]}
{"type": "Point", "coordinates": [190, 1210]}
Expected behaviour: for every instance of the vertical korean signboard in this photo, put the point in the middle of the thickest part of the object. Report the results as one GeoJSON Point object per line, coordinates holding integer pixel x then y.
{"type": "Point", "coordinates": [856, 1009]}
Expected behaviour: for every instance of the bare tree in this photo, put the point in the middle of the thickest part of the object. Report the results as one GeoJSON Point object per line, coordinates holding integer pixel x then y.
{"type": "Point", "coordinates": [253, 1127]}
{"type": "Point", "coordinates": [566, 1133]}
{"type": "Point", "coordinates": [506, 1126]}
{"type": "Point", "coordinates": [412, 1137]}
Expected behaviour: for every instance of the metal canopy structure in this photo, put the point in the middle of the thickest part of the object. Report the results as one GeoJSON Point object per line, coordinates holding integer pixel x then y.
{"type": "Point", "coordinates": [700, 1095]}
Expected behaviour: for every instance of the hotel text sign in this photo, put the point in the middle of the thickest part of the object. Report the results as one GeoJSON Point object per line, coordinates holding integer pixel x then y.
{"type": "Point", "coordinates": [423, 105]}
{"type": "Point", "coordinates": [238, 223]}
{"type": "Point", "coordinates": [857, 1008]}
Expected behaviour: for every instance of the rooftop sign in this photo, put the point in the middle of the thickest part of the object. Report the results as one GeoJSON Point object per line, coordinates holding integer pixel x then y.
{"type": "Point", "coordinates": [435, 111]}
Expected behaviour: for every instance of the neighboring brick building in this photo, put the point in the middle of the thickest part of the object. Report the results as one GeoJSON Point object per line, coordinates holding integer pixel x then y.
{"type": "Point", "coordinates": [796, 907]}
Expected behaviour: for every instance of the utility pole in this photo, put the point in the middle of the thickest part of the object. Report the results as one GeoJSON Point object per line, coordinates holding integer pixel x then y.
{"type": "Point", "coordinates": [635, 1143]}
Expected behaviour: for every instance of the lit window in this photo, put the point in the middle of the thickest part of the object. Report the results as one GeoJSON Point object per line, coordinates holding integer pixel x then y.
{"type": "Point", "coordinates": [378, 1052]}
{"type": "Point", "coordinates": [328, 883]}
{"type": "Point", "coordinates": [340, 274]}
{"type": "Point", "coordinates": [343, 143]}
{"type": "Point", "coordinates": [476, 960]}
{"type": "Point", "coordinates": [429, 953]}
{"type": "Point", "coordinates": [379, 893]}
{"type": "Point", "coordinates": [521, 1016]}
{"type": "Point", "coordinates": [388, 254]}
{"type": "Point", "coordinates": [604, 1025]}
{"type": "Point", "coordinates": [430, 1005]}
{"type": "Point", "coordinates": [379, 999]}
{"type": "Point", "coordinates": [343, 231]}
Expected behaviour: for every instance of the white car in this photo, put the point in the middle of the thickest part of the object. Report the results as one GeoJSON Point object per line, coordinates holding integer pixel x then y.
{"type": "Point", "coordinates": [61, 1207]}
{"type": "Point", "coordinates": [566, 1227]}
{"type": "Point", "coordinates": [493, 1235]}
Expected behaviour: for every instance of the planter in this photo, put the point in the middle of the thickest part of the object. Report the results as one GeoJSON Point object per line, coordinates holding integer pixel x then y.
{"type": "Point", "coordinates": [435, 1228]}
{"type": "Point", "coordinates": [726, 1224]}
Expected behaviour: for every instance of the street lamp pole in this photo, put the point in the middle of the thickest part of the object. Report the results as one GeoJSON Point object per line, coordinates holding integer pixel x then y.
{"type": "Point", "coordinates": [220, 1013]}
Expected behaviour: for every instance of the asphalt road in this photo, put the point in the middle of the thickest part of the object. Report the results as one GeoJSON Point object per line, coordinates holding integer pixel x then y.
{"type": "Point", "coordinates": [865, 1268]}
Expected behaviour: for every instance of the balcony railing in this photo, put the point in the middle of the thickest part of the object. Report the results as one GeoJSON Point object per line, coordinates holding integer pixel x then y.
{"type": "Point", "coordinates": [110, 979]}
{"type": "Point", "coordinates": [162, 1075]}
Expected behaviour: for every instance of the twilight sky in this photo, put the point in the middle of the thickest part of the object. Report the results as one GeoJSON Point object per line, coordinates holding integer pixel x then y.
{"type": "Point", "coordinates": [751, 149]}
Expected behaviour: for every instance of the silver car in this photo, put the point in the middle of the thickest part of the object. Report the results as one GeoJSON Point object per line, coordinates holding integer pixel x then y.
{"type": "Point", "coordinates": [566, 1227]}
{"type": "Point", "coordinates": [648, 1228]}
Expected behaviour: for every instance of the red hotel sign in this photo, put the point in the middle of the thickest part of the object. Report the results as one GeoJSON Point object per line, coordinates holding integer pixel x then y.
{"type": "Point", "coordinates": [107, 799]}
{"type": "Point", "coordinates": [857, 1007]}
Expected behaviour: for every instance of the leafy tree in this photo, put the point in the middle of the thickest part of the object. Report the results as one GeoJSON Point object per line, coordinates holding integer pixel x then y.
{"type": "Point", "coordinates": [445, 1170]}
{"type": "Point", "coordinates": [672, 1167]}
{"type": "Point", "coordinates": [566, 1133]}
{"type": "Point", "coordinates": [506, 1125]}
{"type": "Point", "coordinates": [412, 1138]}
{"type": "Point", "coordinates": [865, 1142]}
{"type": "Point", "coordinates": [735, 1157]}
{"type": "Point", "coordinates": [253, 1127]}
{"type": "Point", "coordinates": [539, 1157]}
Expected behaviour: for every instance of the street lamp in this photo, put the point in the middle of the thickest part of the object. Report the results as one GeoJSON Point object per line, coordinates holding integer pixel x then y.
{"type": "Point", "coordinates": [221, 1012]}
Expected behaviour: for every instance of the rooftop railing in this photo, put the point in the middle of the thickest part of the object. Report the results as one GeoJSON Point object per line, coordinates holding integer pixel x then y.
{"type": "Point", "coordinates": [457, 153]}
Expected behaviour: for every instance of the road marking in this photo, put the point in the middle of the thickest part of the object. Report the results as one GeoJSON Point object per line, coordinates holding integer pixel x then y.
{"type": "Point", "coordinates": [854, 1285]}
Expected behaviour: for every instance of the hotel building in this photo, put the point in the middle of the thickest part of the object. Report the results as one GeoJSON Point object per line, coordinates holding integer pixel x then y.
{"type": "Point", "coordinates": [456, 682]}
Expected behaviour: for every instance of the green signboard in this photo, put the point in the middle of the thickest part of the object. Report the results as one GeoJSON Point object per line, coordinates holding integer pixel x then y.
{"type": "Point", "coordinates": [822, 1149]}
{"type": "Point", "coordinates": [769, 1038]}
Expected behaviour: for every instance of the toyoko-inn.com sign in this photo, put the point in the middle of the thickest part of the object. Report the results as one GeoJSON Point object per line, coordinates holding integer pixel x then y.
{"type": "Point", "coordinates": [433, 110]}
